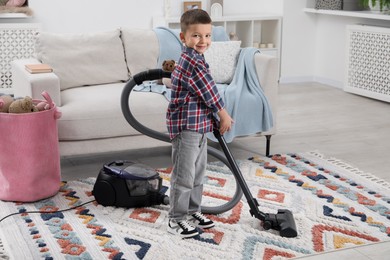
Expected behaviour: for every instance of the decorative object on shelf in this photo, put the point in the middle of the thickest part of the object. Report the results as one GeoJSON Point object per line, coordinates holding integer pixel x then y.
{"type": "Point", "coordinates": [15, 6]}
{"type": "Point", "coordinates": [353, 5]}
{"type": "Point", "coordinates": [329, 4]}
{"type": "Point", "coordinates": [216, 8]}
{"type": "Point", "coordinates": [233, 36]}
{"type": "Point", "coordinates": [16, 3]}
{"type": "Point", "coordinates": [188, 5]}
{"type": "Point", "coordinates": [262, 45]}
{"type": "Point", "coordinates": [372, 4]}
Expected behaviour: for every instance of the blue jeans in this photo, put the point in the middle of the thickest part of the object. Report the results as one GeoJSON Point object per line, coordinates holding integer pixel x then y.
{"type": "Point", "coordinates": [189, 158]}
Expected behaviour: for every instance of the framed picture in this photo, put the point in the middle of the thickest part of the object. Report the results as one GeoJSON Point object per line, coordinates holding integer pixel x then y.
{"type": "Point", "coordinates": [188, 5]}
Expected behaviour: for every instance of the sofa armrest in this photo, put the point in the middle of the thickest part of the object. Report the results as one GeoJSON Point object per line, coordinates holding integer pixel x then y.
{"type": "Point", "coordinates": [27, 84]}
{"type": "Point", "coordinates": [267, 68]}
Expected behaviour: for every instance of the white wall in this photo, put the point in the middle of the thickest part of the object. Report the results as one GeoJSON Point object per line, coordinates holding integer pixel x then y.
{"type": "Point", "coordinates": [93, 15]}
{"type": "Point", "coordinates": [298, 43]}
{"type": "Point", "coordinates": [97, 15]}
{"type": "Point", "coordinates": [314, 45]}
{"type": "Point", "coordinates": [331, 47]}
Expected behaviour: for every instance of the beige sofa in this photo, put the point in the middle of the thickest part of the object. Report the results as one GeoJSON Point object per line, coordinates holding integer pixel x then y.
{"type": "Point", "coordinates": [89, 72]}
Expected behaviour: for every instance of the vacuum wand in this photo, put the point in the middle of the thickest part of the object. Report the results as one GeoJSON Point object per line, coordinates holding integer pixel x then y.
{"type": "Point", "coordinates": [283, 221]}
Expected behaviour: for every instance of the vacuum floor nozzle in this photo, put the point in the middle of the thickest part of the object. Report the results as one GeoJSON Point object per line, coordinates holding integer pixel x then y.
{"type": "Point", "coordinates": [283, 221]}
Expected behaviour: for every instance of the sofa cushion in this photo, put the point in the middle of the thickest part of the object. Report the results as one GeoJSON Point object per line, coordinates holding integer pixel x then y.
{"type": "Point", "coordinates": [95, 112]}
{"type": "Point", "coordinates": [222, 58]}
{"type": "Point", "coordinates": [83, 58]}
{"type": "Point", "coordinates": [141, 49]}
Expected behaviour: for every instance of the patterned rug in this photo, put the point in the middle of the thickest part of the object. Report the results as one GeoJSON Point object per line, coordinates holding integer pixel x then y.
{"type": "Point", "coordinates": [334, 205]}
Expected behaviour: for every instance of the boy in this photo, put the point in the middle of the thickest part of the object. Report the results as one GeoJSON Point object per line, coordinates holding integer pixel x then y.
{"type": "Point", "coordinates": [194, 99]}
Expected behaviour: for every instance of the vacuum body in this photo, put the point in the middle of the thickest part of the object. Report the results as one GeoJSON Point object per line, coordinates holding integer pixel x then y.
{"type": "Point", "coordinates": [128, 184]}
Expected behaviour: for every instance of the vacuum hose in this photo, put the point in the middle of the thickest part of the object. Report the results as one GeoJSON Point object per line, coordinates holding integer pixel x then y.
{"type": "Point", "coordinates": [155, 74]}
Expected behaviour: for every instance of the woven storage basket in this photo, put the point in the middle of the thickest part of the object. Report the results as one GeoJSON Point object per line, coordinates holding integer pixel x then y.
{"type": "Point", "coordinates": [29, 154]}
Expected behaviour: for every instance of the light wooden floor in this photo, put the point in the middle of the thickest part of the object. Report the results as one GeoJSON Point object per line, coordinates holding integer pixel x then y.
{"type": "Point", "coordinates": [311, 117]}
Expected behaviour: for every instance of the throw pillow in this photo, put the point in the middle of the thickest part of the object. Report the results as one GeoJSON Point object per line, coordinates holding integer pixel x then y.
{"type": "Point", "coordinates": [222, 58]}
{"type": "Point", "coordinates": [83, 58]}
{"type": "Point", "coordinates": [141, 49]}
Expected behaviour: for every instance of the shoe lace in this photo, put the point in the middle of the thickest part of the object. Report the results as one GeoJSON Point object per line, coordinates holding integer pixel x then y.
{"type": "Point", "coordinates": [185, 225]}
{"type": "Point", "coordinates": [200, 216]}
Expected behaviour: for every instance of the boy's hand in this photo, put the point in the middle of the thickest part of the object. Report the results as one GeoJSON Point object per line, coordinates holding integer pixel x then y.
{"type": "Point", "coordinates": [225, 121]}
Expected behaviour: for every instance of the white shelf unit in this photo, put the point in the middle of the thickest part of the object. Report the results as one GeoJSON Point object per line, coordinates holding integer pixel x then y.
{"type": "Point", "coordinates": [250, 30]}
{"type": "Point", "coordinates": [359, 14]}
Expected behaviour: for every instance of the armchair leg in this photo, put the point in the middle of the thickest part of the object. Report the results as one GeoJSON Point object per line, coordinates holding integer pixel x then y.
{"type": "Point", "coordinates": [268, 144]}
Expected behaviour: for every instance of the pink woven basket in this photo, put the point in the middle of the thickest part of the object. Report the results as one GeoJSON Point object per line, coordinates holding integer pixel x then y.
{"type": "Point", "coordinates": [29, 154]}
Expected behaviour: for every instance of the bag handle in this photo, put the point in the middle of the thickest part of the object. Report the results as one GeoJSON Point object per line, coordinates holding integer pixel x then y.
{"type": "Point", "coordinates": [48, 104]}
{"type": "Point", "coordinates": [48, 99]}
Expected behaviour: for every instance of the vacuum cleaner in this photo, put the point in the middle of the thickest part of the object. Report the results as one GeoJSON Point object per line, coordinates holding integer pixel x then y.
{"type": "Point", "coordinates": [282, 221]}
{"type": "Point", "coordinates": [130, 185]}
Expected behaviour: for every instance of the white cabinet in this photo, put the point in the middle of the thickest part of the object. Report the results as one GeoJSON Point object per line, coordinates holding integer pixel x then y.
{"type": "Point", "coordinates": [16, 42]}
{"type": "Point", "coordinates": [252, 31]}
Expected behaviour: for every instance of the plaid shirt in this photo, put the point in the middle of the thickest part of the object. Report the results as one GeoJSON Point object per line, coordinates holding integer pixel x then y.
{"type": "Point", "coordinates": [194, 96]}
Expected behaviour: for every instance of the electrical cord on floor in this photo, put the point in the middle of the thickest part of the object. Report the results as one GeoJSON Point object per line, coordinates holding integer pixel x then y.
{"type": "Point", "coordinates": [54, 211]}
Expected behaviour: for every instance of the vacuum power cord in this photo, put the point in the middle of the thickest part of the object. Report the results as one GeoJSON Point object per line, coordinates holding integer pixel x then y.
{"type": "Point", "coordinates": [54, 211]}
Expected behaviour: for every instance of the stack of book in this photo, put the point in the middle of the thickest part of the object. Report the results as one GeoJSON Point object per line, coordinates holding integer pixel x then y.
{"type": "Point", "coordinates": [38, 68]}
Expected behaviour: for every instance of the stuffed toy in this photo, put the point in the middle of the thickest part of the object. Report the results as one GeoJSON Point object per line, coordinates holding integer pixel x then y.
{"type": "Point", "coordinates": [43, 106]}
{"type": "Point", "coordinates": [5, 102]}
{"type": "Point", "coordinates": [24, 105]}
{"type": "Point", "coordinates": [15, 6]}
{"type": "Point", "coordinates": [168, 65]}
{"type": "Point", "coordinates": [21, 105]}
{"type": "Point", "coordinates": [15, 3]}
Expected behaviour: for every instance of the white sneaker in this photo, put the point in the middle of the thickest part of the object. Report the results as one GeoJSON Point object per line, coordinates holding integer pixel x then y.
{"type": "Point", "coordinates": [200, 220]}
{"type": "Point", "coordinates": [182, 228]}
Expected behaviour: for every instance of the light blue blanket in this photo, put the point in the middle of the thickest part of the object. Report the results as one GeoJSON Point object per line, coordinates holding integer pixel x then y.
{"type": "Point", "coordinates": [245, 100]}
{"type": "Point", "coordinates": [244, 97]}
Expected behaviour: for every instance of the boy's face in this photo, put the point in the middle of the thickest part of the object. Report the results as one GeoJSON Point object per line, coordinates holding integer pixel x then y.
{"type": "Point", "coordinates": [198, 37]}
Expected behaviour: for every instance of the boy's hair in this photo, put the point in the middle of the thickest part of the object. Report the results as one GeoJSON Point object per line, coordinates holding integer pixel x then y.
{"type": "Point", "coordinates": [194, 16]}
